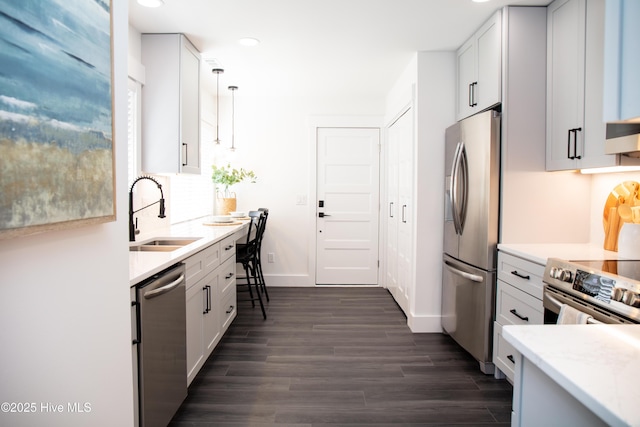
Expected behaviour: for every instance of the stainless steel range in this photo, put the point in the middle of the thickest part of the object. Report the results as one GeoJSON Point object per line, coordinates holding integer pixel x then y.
{"type": "Point", "coordinates": [608, 291]}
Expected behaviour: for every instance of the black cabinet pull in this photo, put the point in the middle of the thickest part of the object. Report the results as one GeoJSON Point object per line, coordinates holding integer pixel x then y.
{"type": "Point", "coordinates": [390, 209]}
{"type": "Point", "coordinates": [515, 313]}
{"type": "Point", "coordinates": [474, 85]}
{"type": "Point", "coordinates": [137, 340]}
{"type": "Point", "coordinates": [207, 301]}
{"type": "Point", "coordinates": [230, 309]}
{"type": "Point", "coordinates": [228, 276]}
{"type": "Point", "coordinates": [573, 131]}
{"type": "Point", "coordinates": [575, 142]}
{"type": "Point", "coordinates": [404, 217]}
{"type": "Point", "coordinates": [515, 273]}
{"type": "Point", "coordinates": [470, 96]}
{"type": "Point", "coordinates": [510, 357]}
{"type": "Point", "coordinates": [186, 153]}
{"type": "Point", "coordinates": [228, 248]}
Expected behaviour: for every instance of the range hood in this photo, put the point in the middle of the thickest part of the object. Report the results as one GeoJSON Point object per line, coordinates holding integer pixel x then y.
{"type": "Point", "coordinates": [623, 138]}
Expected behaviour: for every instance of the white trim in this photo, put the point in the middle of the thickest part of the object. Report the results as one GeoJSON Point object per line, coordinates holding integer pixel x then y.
{"type": "Point", "coordinates": [424, 324]}
{"type": "Point", "coordinates": [322, 121]}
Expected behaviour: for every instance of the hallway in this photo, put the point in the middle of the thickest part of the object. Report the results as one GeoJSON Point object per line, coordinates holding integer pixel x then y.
{"type": "Point", "coordinates": [339, 356]}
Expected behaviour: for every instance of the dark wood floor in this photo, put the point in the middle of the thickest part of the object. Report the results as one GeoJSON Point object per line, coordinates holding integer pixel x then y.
{"type": "Point", "coordinates": [339, 357]}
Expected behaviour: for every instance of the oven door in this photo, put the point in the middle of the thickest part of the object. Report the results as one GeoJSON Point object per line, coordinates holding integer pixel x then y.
{"type": "Point", "coordinates": [553, 298]}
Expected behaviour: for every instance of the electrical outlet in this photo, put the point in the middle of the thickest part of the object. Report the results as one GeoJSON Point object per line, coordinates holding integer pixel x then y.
{"type": "Point", "coordinates": [271, 257]}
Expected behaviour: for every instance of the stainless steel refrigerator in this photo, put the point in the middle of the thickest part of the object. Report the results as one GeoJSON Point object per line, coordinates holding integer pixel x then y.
{"type": "Point", "coordinates": [472, 186]}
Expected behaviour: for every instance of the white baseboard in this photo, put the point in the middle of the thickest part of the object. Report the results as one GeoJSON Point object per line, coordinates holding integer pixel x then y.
{"type": "Point", "coordinates": [425, 323]}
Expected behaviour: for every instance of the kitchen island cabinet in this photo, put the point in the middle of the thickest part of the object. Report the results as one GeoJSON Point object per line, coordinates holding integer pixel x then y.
{"type": "Point", "coordinates": [170, 105]}
{"type": "Point", "coordinates": [575, 375]}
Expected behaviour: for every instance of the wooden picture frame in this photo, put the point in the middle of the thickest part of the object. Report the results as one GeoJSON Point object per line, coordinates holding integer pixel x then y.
{"type": "Point", "coordinates": [57, 164]}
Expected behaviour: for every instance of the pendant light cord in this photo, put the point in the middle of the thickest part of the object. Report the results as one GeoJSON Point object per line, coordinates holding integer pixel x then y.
{"type": "Point", "coordinates": [218, 71]}
{"type": "Point", "coordinates": [233, 115]}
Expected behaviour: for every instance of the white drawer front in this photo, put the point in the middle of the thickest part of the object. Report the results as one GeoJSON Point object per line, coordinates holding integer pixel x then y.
{"type": "Point", "coordinates": [504, 355]}
{"type": "Point", "coordinates": [227, 247]}
{"type": "Point", "coordinates": [524, 275]}
{"type": "Point", "coordinates": [514, 307]}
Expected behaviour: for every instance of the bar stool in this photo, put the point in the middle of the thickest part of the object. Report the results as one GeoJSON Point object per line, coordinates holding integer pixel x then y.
{"type": "Point", "coordinates": [263, 284]}
{"type": "Point", "coordinates": [246, 254]}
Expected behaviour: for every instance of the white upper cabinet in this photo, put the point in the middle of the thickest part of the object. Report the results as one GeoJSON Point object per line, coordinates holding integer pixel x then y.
{"type": "Point", "coordinates": [576, 131]}
{"type": "Point", "coordinates": [622, 60]}
{"type": "Point", "coordinates": [170, 105]}
{"type": "Point", "coordinates": [479, 63]}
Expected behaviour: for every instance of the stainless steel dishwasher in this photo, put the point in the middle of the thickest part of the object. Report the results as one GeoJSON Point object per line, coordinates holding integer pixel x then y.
{"type": "Point", "coordinates": [161, 342]}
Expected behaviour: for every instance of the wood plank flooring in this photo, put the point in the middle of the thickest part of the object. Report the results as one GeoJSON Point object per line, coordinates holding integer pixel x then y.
{"type": "Point", "coordinates": [339, 356]}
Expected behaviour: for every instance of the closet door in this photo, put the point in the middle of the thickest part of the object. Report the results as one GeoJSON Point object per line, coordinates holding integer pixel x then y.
{"type": "Point", "coordinates": [399, 216]}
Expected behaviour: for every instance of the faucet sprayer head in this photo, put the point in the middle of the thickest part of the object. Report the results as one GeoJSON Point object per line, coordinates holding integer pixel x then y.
{"type": "Point", "coordinates": [162, 215]}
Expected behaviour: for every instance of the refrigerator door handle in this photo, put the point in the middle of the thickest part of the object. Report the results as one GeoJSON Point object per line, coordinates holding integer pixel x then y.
{"type": "Point", "coordinates": [453, 189]}
{"type": "Point", "coordinates": [460, 169]}
{"type": "Point", "coordinates": [462, 214]}
{"type": "Point", "coordinates": [469, 276]}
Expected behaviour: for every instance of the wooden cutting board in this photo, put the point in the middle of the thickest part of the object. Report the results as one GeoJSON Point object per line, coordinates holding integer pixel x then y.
{"type": "Point", "coordinates": [623, 197]}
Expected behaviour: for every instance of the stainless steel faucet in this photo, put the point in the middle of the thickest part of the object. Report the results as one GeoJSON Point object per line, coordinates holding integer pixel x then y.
{"type": "Point", "coordinates": [133, 228]}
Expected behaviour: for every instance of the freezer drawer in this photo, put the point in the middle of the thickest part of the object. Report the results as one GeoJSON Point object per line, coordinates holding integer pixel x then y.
{"type": "Point", "coordinates": [468, 296]}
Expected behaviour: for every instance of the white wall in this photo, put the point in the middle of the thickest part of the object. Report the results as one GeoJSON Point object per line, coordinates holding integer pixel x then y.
{"type": "Point", "coordinates": [65, 306]}
{"type": "Point", "coordinates": [428, 83]}
{"type": "Point", "coordinates": [272, 138]}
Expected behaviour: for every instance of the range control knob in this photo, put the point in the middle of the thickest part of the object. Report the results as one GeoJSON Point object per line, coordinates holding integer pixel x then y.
{"type": "Point", "coordinates": [561, 274]}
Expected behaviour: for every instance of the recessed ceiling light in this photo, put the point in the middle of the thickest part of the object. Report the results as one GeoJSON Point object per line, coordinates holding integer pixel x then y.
{"type": "Point", "coordinates": [249, 41]}
{"type": "Point", "coordinates": [151, 3]}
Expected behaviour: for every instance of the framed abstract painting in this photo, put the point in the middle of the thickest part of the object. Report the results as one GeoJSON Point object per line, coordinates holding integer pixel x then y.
{"type": "Point", "coordinates": [56, 117]}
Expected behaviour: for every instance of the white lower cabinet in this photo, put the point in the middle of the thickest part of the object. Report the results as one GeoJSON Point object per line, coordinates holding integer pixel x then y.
{"type": "Point", "coordinates": [518, 302]}
{"type": "Point", "coordinates": [210, 300]}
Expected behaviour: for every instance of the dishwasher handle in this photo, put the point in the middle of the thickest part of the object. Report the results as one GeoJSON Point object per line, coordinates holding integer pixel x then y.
{"type": "Point", "coordinates": [164, 289]}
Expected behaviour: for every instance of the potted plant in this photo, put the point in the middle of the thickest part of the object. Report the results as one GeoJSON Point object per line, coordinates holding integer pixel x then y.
{"type": "Point", "coordinates": [226, 176]}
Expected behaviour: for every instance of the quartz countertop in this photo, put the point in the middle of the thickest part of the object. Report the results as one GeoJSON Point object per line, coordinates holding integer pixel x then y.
{"type": "Point", "coordinates": [596, 364]}
{"type": "Point", "coordinates": [143, 265]}
{"type": "Point", "coordinates": [539, 252]}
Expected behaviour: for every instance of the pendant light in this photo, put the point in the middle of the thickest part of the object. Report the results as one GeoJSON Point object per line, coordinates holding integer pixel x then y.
{"type": "Point", "coordinates": [233, 108]}
{"type": "Point", "coordinates": [217, 71]}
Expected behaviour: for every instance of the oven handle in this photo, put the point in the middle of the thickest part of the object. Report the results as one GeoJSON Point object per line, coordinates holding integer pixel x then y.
{"type": "Point", "coordinates": [558, 304]}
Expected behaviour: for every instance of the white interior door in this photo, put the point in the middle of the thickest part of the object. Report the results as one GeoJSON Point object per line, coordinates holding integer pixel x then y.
{"type": "Point", "coordinates": [347, 207]}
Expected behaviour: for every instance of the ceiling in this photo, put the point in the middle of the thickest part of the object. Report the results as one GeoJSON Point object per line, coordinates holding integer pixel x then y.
{"type": "Point", "coordinates": [315, 47]}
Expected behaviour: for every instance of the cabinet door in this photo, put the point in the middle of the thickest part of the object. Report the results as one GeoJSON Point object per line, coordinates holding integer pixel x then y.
{"type": "Point", "coordinates": [466, 78]}
{"type": "Point", "coordinates": [195, 348]}
{"type": "Point", "coordinates": [211, 319]}
{"type": "Point", "coordinates": [170, 104]}
{"type": "Point", "coordinates": [190, 108]}
{"type": "Point", "coordinates": [479, 69]}
{"type": "Point", "coordinates": [565, 83]}
{"type": "Point", "coordinates": [489, 63]}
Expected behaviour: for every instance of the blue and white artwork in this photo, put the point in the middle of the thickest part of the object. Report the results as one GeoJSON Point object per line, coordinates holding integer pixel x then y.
{"type": "Point", "coordinates": [56, 146]}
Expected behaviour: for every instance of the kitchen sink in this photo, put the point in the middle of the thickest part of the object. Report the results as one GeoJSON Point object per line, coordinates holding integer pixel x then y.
{"type": "Point", "coordinates": [162, 245]}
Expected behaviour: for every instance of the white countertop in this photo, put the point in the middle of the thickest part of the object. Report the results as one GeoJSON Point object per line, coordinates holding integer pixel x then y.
{"type": "Point", "coordinates": [539, 252]}
{"type": "Point", "coordinates": [597, 364]}
{"type": "Point", "coordinates": [143, 265]}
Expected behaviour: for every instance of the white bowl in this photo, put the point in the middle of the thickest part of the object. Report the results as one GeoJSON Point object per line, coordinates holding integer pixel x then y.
{"type": "Point", "coordinates": [222, 218]}
{"type": "Point", "coordinates": [238, 214]}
